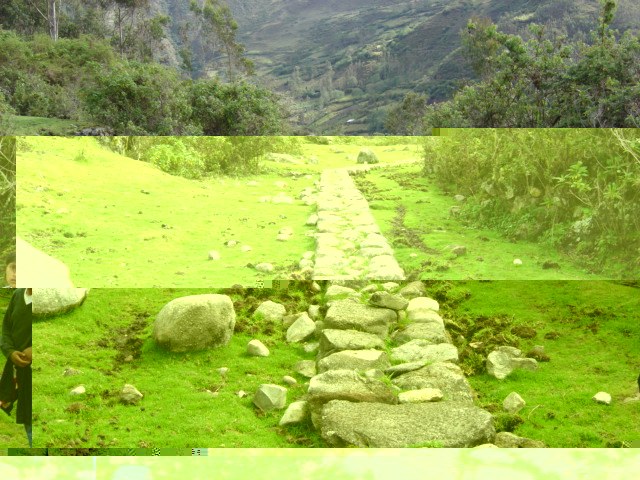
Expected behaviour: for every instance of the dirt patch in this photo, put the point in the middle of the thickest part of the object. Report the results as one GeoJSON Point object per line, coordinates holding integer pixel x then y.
{"type": "Point", "coordinates": [477, 336]}
{"type": "Point", "coordinates": [403, 236]}
{"type": "Point", "coordinates": [408, 181]}
{"type": "Point", "coordinates": [368, 189]}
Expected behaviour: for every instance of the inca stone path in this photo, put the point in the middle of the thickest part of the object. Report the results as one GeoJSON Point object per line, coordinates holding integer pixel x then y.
{"type": "Point", "coordinates": [349, 244]}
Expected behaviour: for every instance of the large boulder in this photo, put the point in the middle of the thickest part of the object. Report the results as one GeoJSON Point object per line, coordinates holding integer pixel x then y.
{"type": "Point", "coordinates": [354, 360]}
{"type": "Point", "coordinates": [39, 270]}
{"type": "Point", "coordinates": [444, 376]}
{"type": "Point", "coordinates": [376, 425]}
{"type": "Point", "coordinates": [49, 302]}
{"type": "Point", "coordinates": [367, 155]}
{"type": "Point", "coordinates": [332, 341]}
{"type": "Point", "coordinates": [345, 315]}
{"type": "Point", "coordinates": [196, 322]}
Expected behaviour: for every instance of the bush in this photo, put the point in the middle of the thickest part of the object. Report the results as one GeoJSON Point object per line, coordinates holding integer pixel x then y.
{"type": "Point", "coordinates": [139, 99]}
{"type": "Point", "coordinates": [235, 109]}
{"type": "Point", "coordinates": [176, 158]}
{"type": "Point", "coordinates": [575, 188]}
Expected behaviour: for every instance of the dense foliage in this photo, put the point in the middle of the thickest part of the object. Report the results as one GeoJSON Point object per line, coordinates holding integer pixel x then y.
{"type": "Point", "coordinates": [544, 82]}
{"type": "Point", "coordinates": [100, 64]}
{"type": "Point", "coordinates": [578, 189]}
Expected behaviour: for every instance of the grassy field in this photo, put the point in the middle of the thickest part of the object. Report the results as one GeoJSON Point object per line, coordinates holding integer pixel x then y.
{"type": "Point", "coordinates": [84, 205]}
{"type": "Point", "coordinates": [596, 350]}
{"type": "Point", "coordinates": [414, 215]}
{"type": "Point", "coordinates": [176, 410]}
{"type": "Point", "coordinates": [23, 125]}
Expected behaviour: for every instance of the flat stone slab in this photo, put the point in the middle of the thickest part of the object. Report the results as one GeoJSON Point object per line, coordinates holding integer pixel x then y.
{"type": "Point", "coordinates": [348, 315]}
{"type": "Point", "coordinates": [425, 351]}
{"type": "Point", "coordinates": [376, 425]}
{"type": "Point", "coordinates": [354, 360]}
{"type": "Point", "coordinates": [444, 376]}
{"type": "Point", "coordinates": [332, 340]}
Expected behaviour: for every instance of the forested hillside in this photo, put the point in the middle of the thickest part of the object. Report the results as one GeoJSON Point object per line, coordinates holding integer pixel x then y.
{"type": "Point", "coordinates": [323, 67]}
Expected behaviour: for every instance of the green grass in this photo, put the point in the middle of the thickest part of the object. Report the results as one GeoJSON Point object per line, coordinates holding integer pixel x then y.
{"type": "Point", "coordinates": [23, 125]}
{"type": "Point", "coordinates": [428, 230]}
{"type": "Point", "coordinates": [559, 408]}
{"type": "Point", "coordinates": [179, 413]}
{"type": "Point", "coordinates": [176, 411]}
{"type": "Point", "coordinates": [93, 216]}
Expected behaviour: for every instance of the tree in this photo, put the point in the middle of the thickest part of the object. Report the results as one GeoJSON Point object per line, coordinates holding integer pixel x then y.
{"type": "Point", "coordinates": [7, 193]}
{"type": "Point", "coordinates": [49, 12]}
{"type": "Point", "coordinates": [215, 30]}
{"type": "Point", "coordinates": [235, 109]}
{"type": "Point", "coordinates": [541, 82]}
{"type": "Point", "coordinates": [139, 99]}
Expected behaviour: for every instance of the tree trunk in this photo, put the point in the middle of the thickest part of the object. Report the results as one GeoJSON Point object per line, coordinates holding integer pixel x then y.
{"type": "Point", "coordinates": [53, 20]}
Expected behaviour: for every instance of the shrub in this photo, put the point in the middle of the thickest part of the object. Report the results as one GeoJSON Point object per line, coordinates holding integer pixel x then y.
{"type": "Point", "coordinates": [135, 98]}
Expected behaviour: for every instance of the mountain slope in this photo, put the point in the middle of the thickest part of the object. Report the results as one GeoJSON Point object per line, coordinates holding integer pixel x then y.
{"type": "Point", "coordinates": [351, 59]}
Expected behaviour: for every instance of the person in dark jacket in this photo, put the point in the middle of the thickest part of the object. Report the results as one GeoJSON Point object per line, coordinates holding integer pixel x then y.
{"type": "Point", "coordinates": [16, 347]}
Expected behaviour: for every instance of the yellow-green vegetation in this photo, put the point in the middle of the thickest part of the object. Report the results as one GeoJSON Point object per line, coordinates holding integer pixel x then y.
{"type": "Point", "coordinates": [86, 205]}
{"type": "Point", "coordinates": [590, 331]}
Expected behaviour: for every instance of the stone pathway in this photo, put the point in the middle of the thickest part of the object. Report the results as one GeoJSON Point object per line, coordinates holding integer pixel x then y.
{"type": "Point", "coordinates": [349, 244]}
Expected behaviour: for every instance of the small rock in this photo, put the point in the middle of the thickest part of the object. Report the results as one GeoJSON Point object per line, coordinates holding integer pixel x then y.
{"type": "Point", "coordinates": [306, 368]}
{"type": "Point", "coordinates": [128, 359]}
{"type": "Point", "coordinates": [270, 397]}
{"type": "Point", "coordinates": [231, 243]}
{"type": "Point", "coordinates": [246, 248]}
{"type": "Point", "coordinates": [283, 237]}
{"type": "Point", "coordinates": [264, 267]}
{"type": "Point", "coordinates": [312, 221]}
{"type": "Point", "coordinates": [459, 198]}
{"type": "Point", "coordinates": [289, 380]}
{"type": "Point", "coordinates": [71, 371]}
{"type": "Point", "coordinates": [602, 397]}
{"type": "Point", "coordinates": [413, 255]}
{"type": "Point", "coordinates": [222, 370]}
{"type": "Point", "coordinates": [315, 287]}
{"type": "Point", "coordinates": [257, 349]}
{"type": "Point", "coordinates": [513, 403]}
{"type": "Point", "coordinates": [214, 255]}
{"type": "Point", "coordinates": [296, 412]}
{"type": "Point", "coordinates": [517, 261]}
{"type": "Point", "coordinates": [78, 391]}
{"type": "Point", "coordinates": [130, 395]}
{"type": "Point", "coordinates": [242, 394]}
{"type": "Point", "coordinates": [459, 250]}
{"type": "Point", "coordinates": [313, 311]}
{"type": "Point", "coordinates": [311, 347]}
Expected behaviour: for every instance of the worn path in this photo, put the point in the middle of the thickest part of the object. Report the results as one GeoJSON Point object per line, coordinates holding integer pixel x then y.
{"type": "Point", "coordinates": [349, 244]}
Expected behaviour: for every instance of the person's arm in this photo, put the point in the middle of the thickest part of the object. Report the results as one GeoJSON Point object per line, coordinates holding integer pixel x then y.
{"type": "Point", "coordinates": [6, 343]}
